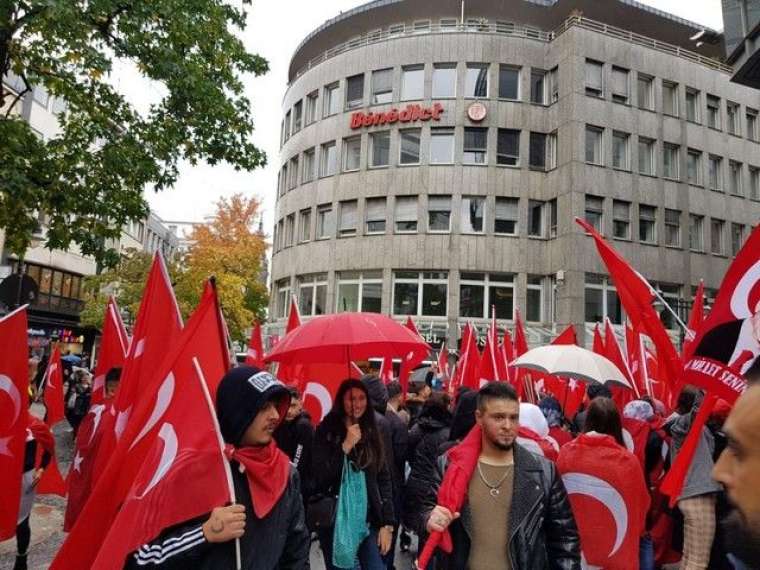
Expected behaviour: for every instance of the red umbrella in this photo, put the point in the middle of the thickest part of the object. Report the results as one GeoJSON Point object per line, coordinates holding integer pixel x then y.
{"type": "Point", "coordinates": [344, 337]}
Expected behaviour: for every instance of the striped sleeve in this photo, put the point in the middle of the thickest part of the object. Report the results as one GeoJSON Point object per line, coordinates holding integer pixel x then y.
{"type": "Point", "coordinates": [167, 551]}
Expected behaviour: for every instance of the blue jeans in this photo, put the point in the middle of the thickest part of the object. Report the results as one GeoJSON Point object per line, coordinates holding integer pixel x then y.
{"type": "Point", "coordinates": [646, 553]}
{"type": "Point", "coordinates": [368, 553]}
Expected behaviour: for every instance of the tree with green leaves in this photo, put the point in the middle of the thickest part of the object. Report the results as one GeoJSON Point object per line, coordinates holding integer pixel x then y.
{"type": "Point", "coordinates": [88, 180]}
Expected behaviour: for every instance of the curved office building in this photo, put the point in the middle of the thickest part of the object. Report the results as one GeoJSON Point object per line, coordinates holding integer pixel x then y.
{"type": "Point", "coordinates": [433, 160]}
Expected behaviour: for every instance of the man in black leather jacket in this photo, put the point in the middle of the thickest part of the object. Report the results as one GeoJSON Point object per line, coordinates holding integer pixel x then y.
{"type": "Point", "coordinates": [515, 499]}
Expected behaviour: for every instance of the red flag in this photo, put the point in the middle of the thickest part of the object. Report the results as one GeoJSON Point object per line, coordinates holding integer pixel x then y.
{"type": "Point", "coordinates": [614, 353]}
{"type": "Point", "coordinates": [255, 356]}
{"type": "Point", "coordinates": [51, 482]}
{"type": "Point", "coordinates": [470, 376]}
{"type": "Point", "coordinates": [411, 326]}
{"type": "Point", "coordinates": [53, 391]}
{"type": "Point", "coordinates": [598, 345]}
{"type": "Point", "coordinates": [443, 363]}
{"type": "Point", "coordinates": [410, 360]}
{"type": "Point", "coordinates": [525, 388]}
{"type": "Point", "coordinates": [294, 316]}
{"type": "Point", "coordinates": [320, 384]}
{"type": "Point", "coordinates": [113, 349]}
{"type": "Point", "coordinates": [487, 369]}
{"type": "Point", "coordinates": [696, 318]}
{"type": "Point", "coordinates": [203, 339]}
{"type": "Point", "coordinates": [521, 341]}
{"type": "Point", "coordinates": [14, 403]}
{"type": "Point", "coordinates": [636, 296]}
{"type": "Point", "coordinates": [183, 477]}
{"type": "Point", "coordinates": [507, 356]}
{"type": "Point", "coordinates": [609, 498]}
{"type": "Point", "coordinates": [386, 370]}
{"type": "Point", "coordinates": [567, 336]}
{"type": "Point", "coordinates": [568, 391]}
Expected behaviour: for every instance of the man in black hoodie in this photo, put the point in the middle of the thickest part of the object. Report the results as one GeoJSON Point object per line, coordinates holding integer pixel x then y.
{"type": "Point", "coordinates": [295, 437]}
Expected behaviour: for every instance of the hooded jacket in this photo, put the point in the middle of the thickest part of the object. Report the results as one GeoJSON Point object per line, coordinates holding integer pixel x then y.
{"type": "Point", "coordinates": [296, 438]}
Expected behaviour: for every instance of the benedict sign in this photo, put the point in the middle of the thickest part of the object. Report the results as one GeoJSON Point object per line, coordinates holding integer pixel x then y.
{"type": "Point", "coordinates": [411, 114]}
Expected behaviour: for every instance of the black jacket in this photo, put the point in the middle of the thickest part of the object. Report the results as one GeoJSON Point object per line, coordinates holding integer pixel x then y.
{"type": "Point", "coordinates": [327, 469]}
{"type": "Point", "coordinates": [399, 443]}
{"type": "Point", "coordinates": [278, 542]}
{"type": "Point", "coordinates": [542, 530]}
{"type": "Point", "coordinates": [295, 439]}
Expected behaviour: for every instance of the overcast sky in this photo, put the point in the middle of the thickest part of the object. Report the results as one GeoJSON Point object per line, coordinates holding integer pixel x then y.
{"type": "Point", "coordinates": [275, 28]}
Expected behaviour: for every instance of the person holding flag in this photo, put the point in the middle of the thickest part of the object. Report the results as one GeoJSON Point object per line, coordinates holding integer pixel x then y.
{"type": "Point", "coordinates": [268, 517]}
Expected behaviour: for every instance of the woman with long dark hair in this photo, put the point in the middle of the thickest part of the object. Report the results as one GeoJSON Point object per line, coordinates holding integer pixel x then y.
{"type": "Point", "coordinates": [349, 430]}
{"type": "Point", "coordinates": [603, 418]}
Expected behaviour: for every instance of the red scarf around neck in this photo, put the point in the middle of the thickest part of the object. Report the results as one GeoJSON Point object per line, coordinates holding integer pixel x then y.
{"type": "Point", "coordinates": [267, 470]}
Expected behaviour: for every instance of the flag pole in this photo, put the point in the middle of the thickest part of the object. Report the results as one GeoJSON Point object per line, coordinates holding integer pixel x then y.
{"type": "Point", "coordinates": [669, 308]}
{"type": "Point", "coordinates": [225, 461]}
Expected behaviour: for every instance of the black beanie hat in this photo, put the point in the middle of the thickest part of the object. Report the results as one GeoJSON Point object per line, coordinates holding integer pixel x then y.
{"type": "Point", "coordinates": [242, 393]}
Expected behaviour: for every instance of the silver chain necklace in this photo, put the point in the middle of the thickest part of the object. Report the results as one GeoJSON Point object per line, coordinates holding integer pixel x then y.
{"type": "Point", "coordinates": [493, 490]}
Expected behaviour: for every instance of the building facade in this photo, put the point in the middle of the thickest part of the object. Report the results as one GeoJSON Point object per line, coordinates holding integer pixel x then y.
{"type": "Point", "coordinates": [432, 164]}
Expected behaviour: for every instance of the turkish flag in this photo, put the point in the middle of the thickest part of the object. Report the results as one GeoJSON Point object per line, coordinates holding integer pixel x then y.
{"type": "Point", "coordinates": [320, 383]}
{"type": "Point", "coordinates": [14, 403]}
{"type": "Point", "coordinates": [202, 340]}
{"type": "Point", "coordinates": [487, 371]}
{"type": "Point", "coordinates": [638, 431]}
{"type": "Point", "coordinates": [410, 361]}
{"type": "Point", "coordinates": [696, 318]}
{"type": "Point", "coordinates": [471, 362]}
{"type": "Point", "coordinates": [443, 363]}
{"type": "Point", "coordinates": [53, 389]}
{"type": "Point", "coordinates": [523, 377]}
{"type": "Point", "coordinates": [255, 355]}
{"type": "Point", "coordinates": [609, 498]}
{"type": "Point", "coordinates": [636, 296]}
{"type": "Point", "coordinates": [411, 326]}
{"type": "Point", "coordinates": [294, 316]}
{"type": "Point", "coordinates": [614, 353]}
{"type": "Point", "coordinates": [386, 370]}
{"type": "Point", "coordinates": [51, 482]}
{"type": "Point", "coordinates": [568, 391]}
{"type": "Point", "coordinates": [183, 476]}
{"type": "Point", "coordinates": [113, 349]}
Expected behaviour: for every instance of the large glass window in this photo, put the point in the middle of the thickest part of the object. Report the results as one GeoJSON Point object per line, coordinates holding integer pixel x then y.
{"type": "Point", "coordinates": [602, 300]}
{"type": "Point", "coordinates": [713, 112]}
{"type": "Point", "coordinates": [534, 309]}
{"type": "Point", "coordinates": [506, 216]}
{"type": "Point", "coordinates": [479, 292]}
{"type": "Point", "coordinates": [312, 294]}
{"type": "Point", "coordinates": [380, 148]}
{"type": "Point", "coordinates": [508, 147]}
{"type": "Point", "coordinates": [406, 214]}
{"type": "Point", "coordinates": [717, 236]}
{"type": "Point", "coordinates": [594, 78]}
{"type": "Point", "coordinates": [355, 91]}
{"type": "Point", "coordinates": [594, 148]}
{"type": "Point", "coordinates": [620, 88]}
{"type": "Point", "coordinates": [473, 214]}
{"type": "Point", "coordinates": [441, 145]}
{"type": "Point", "coordinates": [751, 115]}
{"type": "Point", "coordinates": [325, 222]}
{"type": "Point", "coordinates": [670, 160]}
{"type": "Point", "coordinates": [331, 100]}
{"type": "Point", "coordinates": [420, 294]}
{"type": "Point", "coordinates": [290, 229]}
{"type": "Point", "coordinates": [382, 86]}
{"type": "Point", "coordinates": [714, 171]}
{"type": "Point", "coordinates": [670, 98]}
{"type": "Point", "coordinates": [509, 82]}
{"type": "Point", "coordinates": [735, 177]}
{"type": "Point", "coordinates": [644, 90]}
{"type": "Point", "coordinates": [311, 107]}
{"type": "Point", "coordinates": [297, 116]}
{"type": "Point", "coordinates": [538, 86]}
{"type": "Point", "coordinates": [737, 238]}
{"type": "Point", "coordinates": [646, 156]}
{"type": "Point", "coordinates": [476, 80]}
{"type": "Point", "coordinates": [375, 214]}
{"type": "Point", "coordinates": [595, 212]}
{"type": "Point", "coordinates": [359, 291]}
{"type": "Point", "coordinates": [307, 175]}
{"type": "Point", "coordinates": [536, 225]}
{"type": "Point", "coordinates": [620, 150]}
{"type": "Point", "coordinates": [328, 159]}
{"type": "Point", "coordinates": [352, 150]}
{"type": "Point", "coordinates": [696, 232]}
{"type": "Point", "coordinates": [647, 224]}
{"type": "Point", "coordinates": [439, 213]}
{"type": "Point", "coordinates": [293, 173]}
{"type": "Point", "coordinates": [283, 298]}
{"type": "Point", "coordinates": [475, 145]}
{"type": "Point", "coordinates": [672, 228]}
{"type": "Point", "coordinates": [537, 151]}
{"type": "Point", "coordinates": [305, 225]}
{"type": "Point", "coordinates": [621, 219]}
{"type": "Point", "coordinates": [347, 222]}
{"type": "Point", "coordinates": [754, 183]}
{"type": "Point", "coordinates": [444, 80]}
{"type": "Point", "coordinates": [692, 105]}
{"type": "Point", "coordinates": [409, 152]}
{"type": "Point", "coordinates": [694, 166]}
{"type": "Point", "coordinates": [412, 82]}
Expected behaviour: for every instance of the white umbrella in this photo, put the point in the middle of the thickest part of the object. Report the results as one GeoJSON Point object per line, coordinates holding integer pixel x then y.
{"type": "Point", "coordinates": [572, 361]}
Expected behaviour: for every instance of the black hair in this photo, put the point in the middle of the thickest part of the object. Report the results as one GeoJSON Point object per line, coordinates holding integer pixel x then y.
{"type": "Point", "coordinates": [495, 391]}
{"type": "Point", "coordinates": [394, 389]}
{"type": "Point", "coordinates": [369, 452]}
{"type": "Point", "coordinates": [294, 393]}
{"type": "Point", "coordinates": [603, 417]}
{"type": "Point", "coordinates": [686, 399]}
{"type": "Point", "coordinates": [113, 375]}
{"type": "Point", "coordinates": [598, 390]}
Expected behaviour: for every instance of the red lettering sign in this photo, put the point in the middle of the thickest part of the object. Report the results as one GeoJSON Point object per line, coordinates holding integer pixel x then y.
{"type": "Point", "coordinates": [411, 114]}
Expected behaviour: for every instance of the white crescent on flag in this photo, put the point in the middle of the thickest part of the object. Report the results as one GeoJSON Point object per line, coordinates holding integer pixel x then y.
{"type": "Point", "coordinates": [7, 386]}
{"type": "Point", "coordinates": [740, 299]}
{"type": "Point", "coordinates": [163, 399]}
{"type": "Point", "coordinates": [322, 395]}
{"type": "Point", "coordinates": [168, 455]}
{"type": "Point", "coordinates": [96, 411]}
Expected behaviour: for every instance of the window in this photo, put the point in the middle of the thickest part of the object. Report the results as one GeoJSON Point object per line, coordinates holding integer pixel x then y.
{"type": "Point", "coordinates": [297, 116]}
{"type": "Point", "coordinates": [670, 160]}
{"type": "Point", "coordinates": [312, 294]}
{"type": "Point", "coordinates": [601, 300]}
{"type": "Point", "coordinates": [646, 156]}
{"type": "Point", "coordinates": [311, 107]}
{"type": "Point", "coordinates": [737, 238]}
{"type": "Point", "coordinates": [305, 225]}
{"type": "Point", "coordinates": [449, 24]}
{"type": "Point", "coordinates": [594, 212]}
{"type": "Point", "coordinates": [713, 112]}
{"type": "Point", "coordinates": [538, 86]}
{"type": "Point", "coordinates": [644, 91]}
{"type": "Point", "coordinates": [286, 127]}
{"type": "Point", "coordinates": [696, 232]}
{"type": "Point", "coordinates": [382, 86]}
{"type": "Point", "coordinates": [475, 143]}
{"type": "Point", "coordinates": [352, 150]}
{"type": "Point", "coordinates": [670, 98]}
{"type": "Point", "coordinates": [553, 85]}
{"type": "Point", "coordinates": [692, 105]}
{"type": "Point", "coordinates": [473, 214]}
{"type": "Point", "coordinates": [594, 145]}
{"type": "Point", "coordinates": [283, 298]}
{"type": "Point", "coordinates": [375, 214]}
{"type": "Point", "coordinates": [620, 150]}
{"type": "Point", "coordinates": [439, 213]}
{"type": "Point", "coordinates": [732, 118]}
{"type": "Point", "coordinates": [476, 80]}
{"type": "Point", "coordinates": [283, 181]}
{"type": "Point", "coordinates": [329, 159]}
{"type": "Point", "coordinates": [672, 228]}
{"type": "Point", "coordinates": [714, 167]}
{"type": "Point", "coordinates": [379, 148]}
{"type": "Point", "coordinates": [354, 91]}
{"type": "Point", "coordinates": [406, 214]}
{"type": "Point", "coordinates": [551, 150]}
{"type": "Point", "coordinates": [506, 216]}
{"type": "Point", "coordinates": [647, 224]}
{"type": "Point", "coordinates": [508, 147]}
{"type": "Point", "coordinates": [553, 211]}
{"type": "Point", "coordinates": [536, 218]}
{"type": "Point", "coordinates": [735, 177]}
{"type": "Point", "coordinates": [441, 145]}
{"type": "Point", "coordinates": [331, 100]}
{"type": "Point", "coordinates": [348, 218]}
{"type": "Point", "coordinates": [290, 227]}
{"type": "Point", "coordinates": [478, 292]}
{"type": "Point", "coordinates": [620, 89]}
{"type": "Point", "coordinates": [621, 219]}
{"type": "Point", "coordinates": [421, 294]}
{"type": "Point", "coordinates": [671, 294]}
{"type": "Point", "coordinates": [534, 309]}
{"type": "Point", "coordinates": [307, 174]}
{"type": "Point", "coordinates": [359, 291]}
{"type": "Point", "coordinates": [754, 183]}
{"type": "Point", "coordinates": [717, 229]}
{"type": "Point", "coordinates": [409, 152]}
{"type": "Point", "coordinates": [293, 173]}
{"type": "Point", "coordinates": [694, 166]}
{"type": "Point", "coordinates": [509, 82]}
{"type": "Point", "coordinates": [412, 82]}
{"type": "Point", "coordinates": [594, 81]}
{"type": "Point", "coordinates": [751, 115]}
{"type": "Point", "coordinates": [444, 80]}
{"type": "Point", "coordinates": [325, 222]}
{"type": "Point", "coordinates": [537, 151]}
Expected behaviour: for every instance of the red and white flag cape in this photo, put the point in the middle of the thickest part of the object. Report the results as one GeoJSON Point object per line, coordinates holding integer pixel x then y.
{"type": "Point", "coordinates": [53, 389]}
